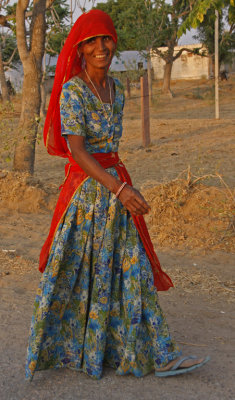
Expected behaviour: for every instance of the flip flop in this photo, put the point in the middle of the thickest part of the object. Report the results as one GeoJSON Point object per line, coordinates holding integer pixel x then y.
{"type": "Point", "coordinates": [175, 370]}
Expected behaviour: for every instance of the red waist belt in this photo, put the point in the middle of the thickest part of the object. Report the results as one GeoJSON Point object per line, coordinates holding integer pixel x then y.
{"type": "Point", "coordinates": [74, 176]}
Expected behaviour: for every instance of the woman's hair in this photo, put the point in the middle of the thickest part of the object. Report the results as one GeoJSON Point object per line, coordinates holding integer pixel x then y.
{"type": "Point", "coordinates": [69, 64]}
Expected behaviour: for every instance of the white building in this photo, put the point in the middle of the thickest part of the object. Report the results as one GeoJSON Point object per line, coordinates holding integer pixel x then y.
{"type": "Point", "coordinates": [187, 66]}
{"type": "Point", "coordinates": [128, 61]}
{"type": "Point", "coordinates": [15, 75]}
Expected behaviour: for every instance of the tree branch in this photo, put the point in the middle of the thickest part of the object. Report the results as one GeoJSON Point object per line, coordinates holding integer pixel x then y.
{"type": "Point", "coordinates": [193, 51]}
{"type": "Point", "coordinates": [8, 62]}
{"type": "Point", "coordinates": [160, 53]}
{"type": "Point", "coordinates": [21, 29]}
{"type": "Point", "coordinates": [165, 54]}
{"type": "Point", "coordinates": [178, 16]}
{"type": "Point", "coordinates": [48, 5]}
{"type": "Point", "coordinates": [49, 49]}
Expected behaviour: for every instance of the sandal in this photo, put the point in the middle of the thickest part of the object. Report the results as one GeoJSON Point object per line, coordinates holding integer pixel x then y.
{"type": "Point", "coordinates": [176, 370]}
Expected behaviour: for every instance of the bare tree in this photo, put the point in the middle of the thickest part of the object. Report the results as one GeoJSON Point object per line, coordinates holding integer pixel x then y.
{"type": "Point", "coordinates": [30, 35]}
{"type": "Point", "coordinates": [31, 44]}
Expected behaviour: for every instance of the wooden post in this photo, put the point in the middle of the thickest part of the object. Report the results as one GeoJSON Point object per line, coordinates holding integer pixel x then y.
{"type": "Point", "coordinates": [150, 80]}
{"type": "Point", "coordinates": [216, 64]}
{"type": "Point", "coordinates": [145, 110]}
{"type": "Point", "coordinates": [128, 87]}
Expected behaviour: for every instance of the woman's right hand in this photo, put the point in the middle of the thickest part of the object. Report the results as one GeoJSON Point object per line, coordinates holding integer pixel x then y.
{"type": "Point", "coordinates": [133, 200]}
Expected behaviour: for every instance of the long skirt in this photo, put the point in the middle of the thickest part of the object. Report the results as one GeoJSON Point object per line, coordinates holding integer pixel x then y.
{"type": "Point", "coordinates": [96, 304]}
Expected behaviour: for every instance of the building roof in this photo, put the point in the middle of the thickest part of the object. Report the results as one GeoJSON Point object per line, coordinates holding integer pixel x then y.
{"type": "Point", "coordinates": [128, 60]}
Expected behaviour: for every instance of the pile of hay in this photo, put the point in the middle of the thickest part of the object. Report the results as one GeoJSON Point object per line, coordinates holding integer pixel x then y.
{"type": "Point", "coordinates": [191, 216]}
{"type": "Point", "coordinates": [23, 193]}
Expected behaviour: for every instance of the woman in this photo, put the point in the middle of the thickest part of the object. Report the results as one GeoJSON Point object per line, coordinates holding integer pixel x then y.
{"type": "Point", "coordinates": [97, 301]}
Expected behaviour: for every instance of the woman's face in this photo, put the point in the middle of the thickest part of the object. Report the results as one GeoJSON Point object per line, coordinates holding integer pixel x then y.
{"type": "Point", "coordinates": [98, 51]}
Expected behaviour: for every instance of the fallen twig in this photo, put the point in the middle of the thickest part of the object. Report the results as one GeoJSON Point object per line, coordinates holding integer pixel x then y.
{"type": "Point", "coordinates": [193, 344]}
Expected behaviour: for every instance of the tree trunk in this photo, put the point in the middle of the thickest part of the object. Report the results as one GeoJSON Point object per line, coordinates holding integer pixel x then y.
{"type": "Point", "coordinates": [27, 130]}
{"type": "Point", "coordinates": [31, 57]}
{"type": "Point", "coordinates": [166, 87]}
{"type": "Point", "coordinates": [4, 89]}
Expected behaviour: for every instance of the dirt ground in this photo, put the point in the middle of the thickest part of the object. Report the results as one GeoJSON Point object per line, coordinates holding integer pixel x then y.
{"type": "Point", "coordinates": [187, 175]}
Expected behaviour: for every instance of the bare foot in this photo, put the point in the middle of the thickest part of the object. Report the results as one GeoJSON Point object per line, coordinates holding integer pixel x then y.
{"type": "Point", "coordinates": [185, 364]}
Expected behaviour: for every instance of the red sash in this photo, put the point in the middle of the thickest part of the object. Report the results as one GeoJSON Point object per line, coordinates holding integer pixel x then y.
{"type": "Point", "coordinates": [74, 177]}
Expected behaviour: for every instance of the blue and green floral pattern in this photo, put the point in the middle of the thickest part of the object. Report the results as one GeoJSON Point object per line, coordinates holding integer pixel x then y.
{"type": "Point", "coordinates": [82, 114]}
{"type": "Point", "coordinates": [96, 304]}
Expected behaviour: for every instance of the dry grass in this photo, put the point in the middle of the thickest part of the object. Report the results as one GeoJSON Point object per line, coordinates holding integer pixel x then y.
{"type": "Point", "coordinates": [201, 280]}
{"type": "Point", "coordinates": [186, 213]}
{"type": "Point", "coordinates": [23, 193]}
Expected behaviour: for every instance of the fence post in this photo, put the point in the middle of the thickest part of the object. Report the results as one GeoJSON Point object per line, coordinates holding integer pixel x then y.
{"type": "Point", "coordinates": [128, 87]}
{"type": "Point", "coordinates": [145, 111]}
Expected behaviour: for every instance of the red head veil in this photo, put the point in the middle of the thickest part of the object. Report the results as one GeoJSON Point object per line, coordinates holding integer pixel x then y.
{"type": "Point", "coordinates": [90, 24]}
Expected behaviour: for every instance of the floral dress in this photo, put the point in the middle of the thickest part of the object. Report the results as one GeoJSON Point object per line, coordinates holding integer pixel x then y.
{"type": "Point", "coordinates": [96, 303]}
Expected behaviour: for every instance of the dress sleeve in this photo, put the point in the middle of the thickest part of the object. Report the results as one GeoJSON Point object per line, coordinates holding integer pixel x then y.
{"type": "Point", "coordinates": [72, 111]}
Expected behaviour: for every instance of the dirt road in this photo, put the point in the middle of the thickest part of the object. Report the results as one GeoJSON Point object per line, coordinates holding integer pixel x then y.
{"type": "Point", "coordinates": [201, 321]}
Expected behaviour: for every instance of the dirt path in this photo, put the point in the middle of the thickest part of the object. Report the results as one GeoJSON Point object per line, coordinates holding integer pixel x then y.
{"type": "Point", "coordinates": [201, 321]}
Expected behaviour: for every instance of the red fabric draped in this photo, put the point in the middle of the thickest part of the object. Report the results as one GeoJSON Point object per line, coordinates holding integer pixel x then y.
{"type": "Point", "coordinates": [90, 24]}
{"type": "Point", "coordinates": [74, 176]}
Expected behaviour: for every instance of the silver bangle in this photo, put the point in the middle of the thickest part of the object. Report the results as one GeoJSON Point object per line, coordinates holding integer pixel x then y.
{"type": "Point", "coordinates": [120, 189]}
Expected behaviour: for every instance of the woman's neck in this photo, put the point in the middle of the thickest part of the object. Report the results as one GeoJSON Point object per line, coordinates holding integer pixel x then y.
{"type": "Point", "coordinates": [98, 76]}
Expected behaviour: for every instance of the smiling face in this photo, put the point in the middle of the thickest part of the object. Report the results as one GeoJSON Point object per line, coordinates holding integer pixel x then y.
{"type": "Point", "coordinates": [98, 52]}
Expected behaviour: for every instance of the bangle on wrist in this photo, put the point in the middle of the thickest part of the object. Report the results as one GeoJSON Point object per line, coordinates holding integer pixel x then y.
{"type": "Point", "coordinates": [120, 189]}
